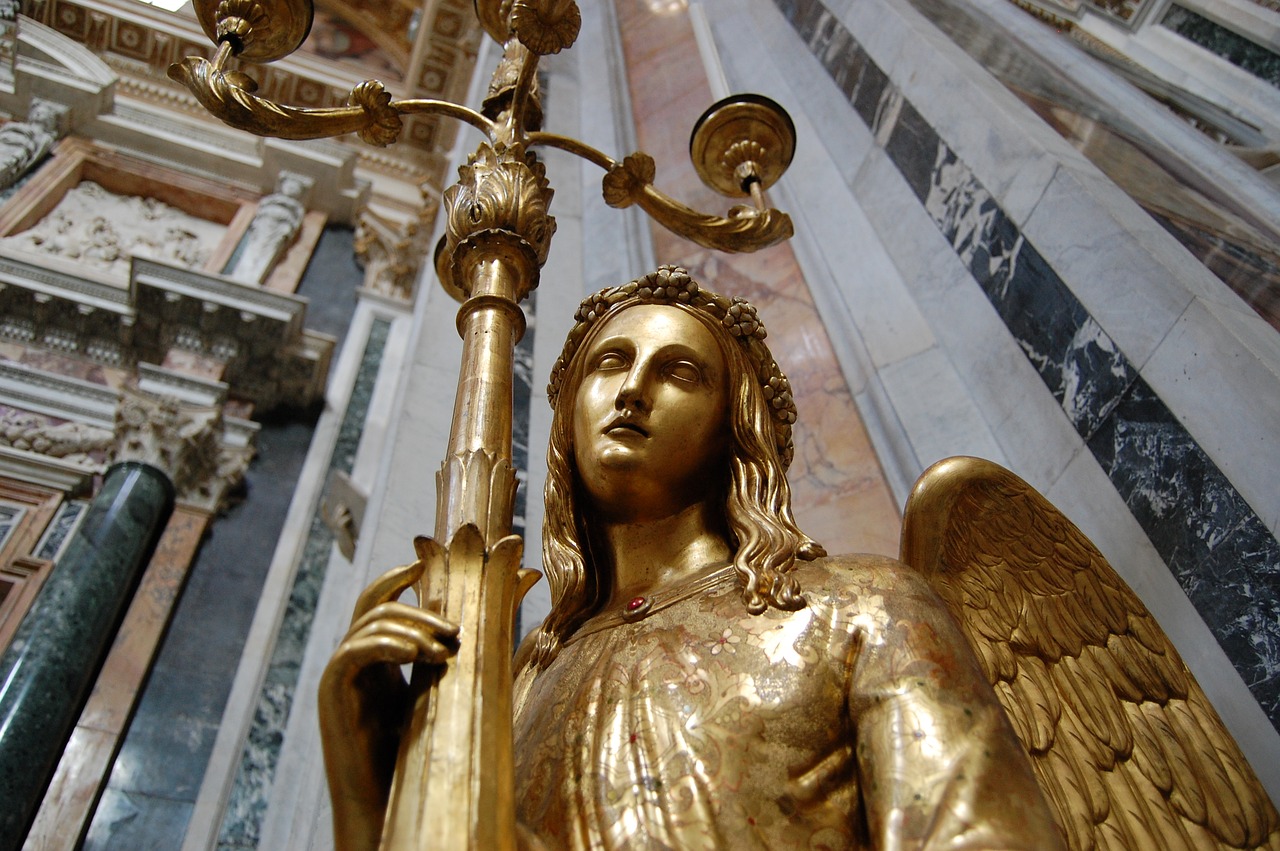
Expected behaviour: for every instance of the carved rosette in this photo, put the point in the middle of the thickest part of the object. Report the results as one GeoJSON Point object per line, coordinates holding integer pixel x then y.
{"type": "Point", "coordinates": [185, 441]}
{"type": "Point", "coordinates": [546, 26]}
{"type": "Point", "coordinates": [500, 203]}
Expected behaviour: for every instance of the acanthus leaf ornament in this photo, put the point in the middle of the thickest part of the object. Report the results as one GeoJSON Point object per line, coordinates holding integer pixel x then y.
{"type": "Point", "coordinates": [501, 201]}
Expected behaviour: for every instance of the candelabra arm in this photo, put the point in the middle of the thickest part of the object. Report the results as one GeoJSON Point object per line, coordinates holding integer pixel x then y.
{"type": "Point", "coordinates": [746, 228]}
{"type": "Point", "coordinates": [228, 95]}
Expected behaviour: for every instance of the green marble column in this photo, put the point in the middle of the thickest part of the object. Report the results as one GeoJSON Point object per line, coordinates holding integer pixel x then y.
{"type": "Point", "coordinates": [48, 669]}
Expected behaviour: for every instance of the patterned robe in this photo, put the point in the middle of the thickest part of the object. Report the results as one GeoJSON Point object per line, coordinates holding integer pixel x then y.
{"type": "Point", "coordinates": [859, 721]}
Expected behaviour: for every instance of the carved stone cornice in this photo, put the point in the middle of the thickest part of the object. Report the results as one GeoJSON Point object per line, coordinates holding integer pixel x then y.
{"type": "Point", "coordinates": [258, 334]}
{"type": "Point", "coordinates": [59, 396]}
{"type": "Point", "coordinates": [270, 358]}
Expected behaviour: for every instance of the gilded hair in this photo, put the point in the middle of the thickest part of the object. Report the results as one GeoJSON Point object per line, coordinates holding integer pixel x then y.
{"type": "Point", "coordinates": [757, 506]}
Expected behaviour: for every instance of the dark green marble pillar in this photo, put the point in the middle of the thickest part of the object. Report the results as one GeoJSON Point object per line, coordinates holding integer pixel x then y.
{"type": "Point", "coordinates": [48, 669]}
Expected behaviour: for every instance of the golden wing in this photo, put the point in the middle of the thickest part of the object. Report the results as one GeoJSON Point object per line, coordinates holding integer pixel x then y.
{"type": "Point", "coordinates": [1123, 741]}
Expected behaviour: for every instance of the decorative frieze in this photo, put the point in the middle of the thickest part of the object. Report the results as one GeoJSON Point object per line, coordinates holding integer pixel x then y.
{"type": "Point", "coordinates": [23, 144]}
{"type": "Point", "coordinates": [103, 230]}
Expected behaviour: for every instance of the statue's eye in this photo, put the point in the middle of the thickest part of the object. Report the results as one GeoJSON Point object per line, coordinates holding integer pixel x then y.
{"type": "Point", "coordinates": [683, 370]}
{"type": "Point", "coordinates": [611, 360]}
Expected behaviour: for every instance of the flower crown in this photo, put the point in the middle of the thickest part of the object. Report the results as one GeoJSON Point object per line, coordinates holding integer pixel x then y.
{"type": "Point", "coordinates": [672, 285]}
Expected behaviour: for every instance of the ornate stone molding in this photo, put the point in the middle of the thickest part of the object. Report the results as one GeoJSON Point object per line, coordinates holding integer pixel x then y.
{"type": "Point", "coordinates": [56, 395]}
{"type": "Point", "coordinates": [34, 468]}
{"type": "Point", "coordinates": [76, 443]}
{"type": "Point", "coordinates": [257, 333]}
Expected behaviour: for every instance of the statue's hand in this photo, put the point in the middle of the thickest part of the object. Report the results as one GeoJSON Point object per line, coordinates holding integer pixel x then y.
{"type": "Point", "coordinates": [363, 700]}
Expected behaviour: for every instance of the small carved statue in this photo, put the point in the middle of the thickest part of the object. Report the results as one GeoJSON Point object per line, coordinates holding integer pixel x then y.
{"type": "Point", "coordinates": [23, 144]}
{"type": "Point", "coordinates": [709, 678]}
{"type": "Point", "coordinates": [272, 230]}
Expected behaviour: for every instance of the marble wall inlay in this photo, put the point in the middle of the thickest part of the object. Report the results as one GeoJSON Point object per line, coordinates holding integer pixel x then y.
{"type": "Point", "coordinates": [1215, 544]}
{"type": "Point", "coordinates": [1231, 46]}
{"type": "Point", "coordinates": [247, 805]}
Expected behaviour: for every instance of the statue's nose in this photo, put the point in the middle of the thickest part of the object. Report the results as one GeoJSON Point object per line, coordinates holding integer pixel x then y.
{"type": "Point", "coordinates": [633, 393]}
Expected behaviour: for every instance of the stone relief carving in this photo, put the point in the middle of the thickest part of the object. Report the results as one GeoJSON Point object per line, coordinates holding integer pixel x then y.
{"type": "Point", "coordinates": [71, 441]}
{"type": "Point", "coordinates": [23, 144]}
{"type": "Point", "coordinates": [94, 227]}
{"type": "Point", "coordinates": [274, 227]}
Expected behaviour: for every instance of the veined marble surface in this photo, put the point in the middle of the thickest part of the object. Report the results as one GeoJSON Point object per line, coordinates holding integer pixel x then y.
{"type": "Point", "coordinates": [1153, 451]}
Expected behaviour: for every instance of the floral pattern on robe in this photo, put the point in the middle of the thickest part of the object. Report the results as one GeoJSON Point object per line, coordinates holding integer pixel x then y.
{"type": "Point", "coordinates": [859, 721]}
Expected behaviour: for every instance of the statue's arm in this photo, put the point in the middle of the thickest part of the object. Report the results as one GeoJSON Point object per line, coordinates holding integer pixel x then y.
{"type": "Point", "coordinates": [939, 763]}
{"type": "Point", "coordinates": [363, 700]}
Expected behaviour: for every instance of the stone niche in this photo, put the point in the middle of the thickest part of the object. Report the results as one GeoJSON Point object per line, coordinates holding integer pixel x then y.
{"type": "Point", "coordinates": [89, 210]}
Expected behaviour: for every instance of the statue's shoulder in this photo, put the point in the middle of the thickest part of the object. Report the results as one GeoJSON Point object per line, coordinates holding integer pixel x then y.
{"type": "Point", "coordinates": [864, 579]}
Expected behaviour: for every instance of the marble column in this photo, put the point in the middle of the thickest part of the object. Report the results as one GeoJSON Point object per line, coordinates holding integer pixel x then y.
{"type": "Point", "coordinates": [48, 668]}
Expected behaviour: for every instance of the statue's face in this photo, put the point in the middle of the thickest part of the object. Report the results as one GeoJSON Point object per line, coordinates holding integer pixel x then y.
{"type": "Point", "coordinates": [650, 418]}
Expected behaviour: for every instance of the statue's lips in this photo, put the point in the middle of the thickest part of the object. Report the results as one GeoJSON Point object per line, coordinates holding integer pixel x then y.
{"type": "Point", "coordinates": [619, 426]}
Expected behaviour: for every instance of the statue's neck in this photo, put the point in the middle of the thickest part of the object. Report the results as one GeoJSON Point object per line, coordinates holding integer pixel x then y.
{"type": "Point", "coordinates": [646, 556]}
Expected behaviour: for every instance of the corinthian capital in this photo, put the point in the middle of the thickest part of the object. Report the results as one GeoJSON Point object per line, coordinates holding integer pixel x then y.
{"type": "Point", "coordinates": [202, 455]}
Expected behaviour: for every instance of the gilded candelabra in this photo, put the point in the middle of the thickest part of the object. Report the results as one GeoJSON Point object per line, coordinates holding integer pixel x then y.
{"type": "Point", "coordinates": [453, 786]}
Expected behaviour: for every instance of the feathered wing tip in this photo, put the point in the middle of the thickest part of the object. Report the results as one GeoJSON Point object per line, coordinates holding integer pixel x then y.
{"type": "Point", "coordinates": [1125, 745]}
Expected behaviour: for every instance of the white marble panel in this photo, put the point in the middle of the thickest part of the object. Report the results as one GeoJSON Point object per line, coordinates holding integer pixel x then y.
{"type": "Point", "coordinates": [1180, 145]}
{"type": "Point", "coordinates": [925, 260]}
{"type": "Point", "coordinates": [855, 264]}
{"type": "Point", "coordinates": [877, 29]}
{"type": "Point", "coordinates": [382, 406]}
{"type": "Point", "coordinates": [1228, 398]}
{"type": "Point", "coordinates": [1010, 151]}
{"type": "Point", "coordinates": [1193, 69]}
{"type": "Point", "coordinates": [889, 438]}
{"type": "Point", "coordinates": [1102, 244]}
{"type": "Point", "coordinates": [296, 808]}
{"type": "Point", "coordinates": [1028, 423]}
{"type": "Point", "coordinates": [403, 502]}
{"type": "Point", "coordinates": [1085, 494]}
{"type": "Point", "coordinates": [560, 103]}
{"type": "Point", "coordinates": [843, 332]}
{"type": "Point", "coordinates": [936, 410]}
{"type": "Point", "coordinates": [617, 246]}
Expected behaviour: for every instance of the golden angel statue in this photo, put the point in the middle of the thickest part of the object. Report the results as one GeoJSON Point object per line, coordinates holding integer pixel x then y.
{"type": "Point", "coordinates": [709, 678]}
